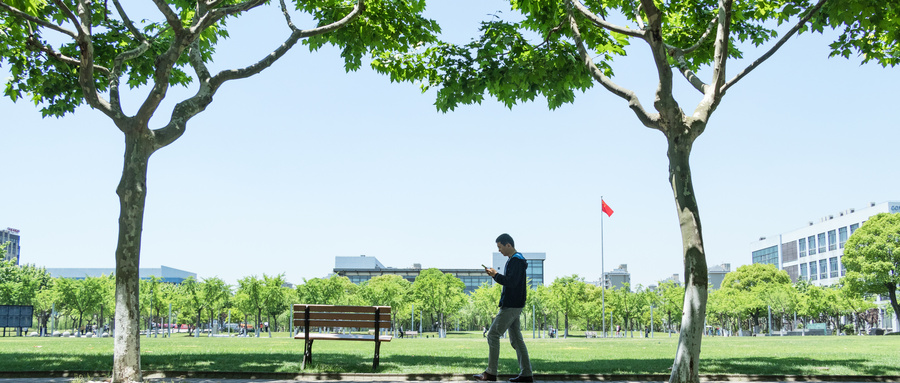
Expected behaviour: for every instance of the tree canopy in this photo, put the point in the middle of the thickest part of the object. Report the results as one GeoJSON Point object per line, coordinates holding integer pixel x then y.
{"type": "Point", "coordinates": [872, 258]}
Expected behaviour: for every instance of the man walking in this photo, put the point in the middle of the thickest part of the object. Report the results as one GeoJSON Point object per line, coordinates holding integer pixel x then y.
{"type": "Point", "coordinates": [512, 300]}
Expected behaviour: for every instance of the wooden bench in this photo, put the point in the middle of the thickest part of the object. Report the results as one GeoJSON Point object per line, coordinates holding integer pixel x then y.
{"type": "Point", "coordinates": [410, 334]}
{"type": "Point", "coordinates": [590, 334]}
{"type": "Point", "coordinates": [374, 317]}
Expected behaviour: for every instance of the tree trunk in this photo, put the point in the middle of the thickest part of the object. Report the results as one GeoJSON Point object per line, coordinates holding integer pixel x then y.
{"type": "Point", "coordinates": [687, 357]}
{"type": "Point", "coordinates": [132, 196]}
{"type": "Point", "coordinates": [892, 294]}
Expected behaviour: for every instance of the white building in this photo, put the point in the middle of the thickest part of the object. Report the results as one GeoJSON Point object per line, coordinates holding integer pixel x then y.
{"type": "Point", "coordinates": [813, 252]}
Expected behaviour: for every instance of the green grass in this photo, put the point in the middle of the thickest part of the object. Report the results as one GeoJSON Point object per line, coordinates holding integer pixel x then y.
{"type": "Point", "coordinates": [463, 353]}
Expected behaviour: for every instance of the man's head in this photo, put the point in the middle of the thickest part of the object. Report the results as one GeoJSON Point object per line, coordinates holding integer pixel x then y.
{"type": "Point", "coordinates": [506, 245]}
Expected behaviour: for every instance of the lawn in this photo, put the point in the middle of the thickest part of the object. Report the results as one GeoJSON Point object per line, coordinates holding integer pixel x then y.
{"type": "Point", "coordinates": [464, 353]}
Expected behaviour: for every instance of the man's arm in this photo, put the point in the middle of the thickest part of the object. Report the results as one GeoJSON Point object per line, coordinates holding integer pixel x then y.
{"type": "Point", "coordinates": [515, 271]}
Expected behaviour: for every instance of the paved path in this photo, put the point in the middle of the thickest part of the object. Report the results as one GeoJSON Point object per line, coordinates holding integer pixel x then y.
{"type": "Point", "coordinates": [406, 379]}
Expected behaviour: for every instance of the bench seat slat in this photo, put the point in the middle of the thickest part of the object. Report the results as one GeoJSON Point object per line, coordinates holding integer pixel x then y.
{"type": "Point", "coordinates": [347, 316]}
{"type": "Point", "coordinates": [341, 323]}
{"type": "Point", "coordinates": [342, 309]}
{"type": "Point", "coordinates": [369, 338]}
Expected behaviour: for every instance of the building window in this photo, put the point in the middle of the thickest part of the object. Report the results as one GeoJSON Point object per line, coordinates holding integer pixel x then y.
{"type": "Point", "coordinates": [802, 243]}
{"type": "Point", "coordinates": [823, 268]}
{"type": "Point", "coordinates": [813, 271]}
{"type": "Point", "coordinates": [767, 256]}
{"type": "Point", "coordinates": [843, 268]}
{"type": "Point", "coordinates": [842, 235]}
{"type": "Point", "coordinates": [812, 244]}
{"type": "Point", "coordinates": [821, 243]}
{"type": "Point", "coordinates": [803, 272]}
{"type": "Point", "coordinates": [832, 240]}
{"type": "Point", "coordinates": [834, 267]}
{"type": "Point", "coordinates": [853, 228]}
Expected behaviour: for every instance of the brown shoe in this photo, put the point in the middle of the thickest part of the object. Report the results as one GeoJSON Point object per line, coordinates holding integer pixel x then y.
{"type": "Point", "coordinates": [521, 378]}
{"type": "Point", "coordinates": [485, 377]}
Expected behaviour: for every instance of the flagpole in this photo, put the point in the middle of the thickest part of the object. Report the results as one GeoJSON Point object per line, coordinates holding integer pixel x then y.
{"type": "Point", "coordinates": [602, 269]}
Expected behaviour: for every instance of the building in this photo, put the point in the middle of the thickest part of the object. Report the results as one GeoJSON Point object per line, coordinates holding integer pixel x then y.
{"type": "Point", "coordinates": [13, 249]}
{"type": "Point", "coordinates": [166, 274]}
{"type": "Point", "coordinates": [813, 252]}
{"type": "Point", "coordinates": [716, 274]}
{"type": "Point", "coordinates": [362, 268]}
{"type": "Point", "coordinates": [534, 272]}
{"type": "Point", "coordinates": [617, 278]}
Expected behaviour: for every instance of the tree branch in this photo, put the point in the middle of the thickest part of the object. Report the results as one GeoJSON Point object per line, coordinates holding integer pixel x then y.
{"type": "Point", "coordinates": [86, 66]}
{"type": "Point", "coordinates": [689, 75]}
{"type": "Point", "coordinates": [650, 121]}
{"type": "Point", "coordinates": [714, 93]}
{"type": "Point", "coordinates": [144, 45]}
{"type": "Point", "coordinates": [23, 15]}
{"type": "Point", "coordinates": [298, 34]}
{"type": "Point", "coordinates": [709, 28]}
{"type": "Point", "coordinates": [69, 15]}
{"type": "Point", "coordinates": [775, 48]}
{"type": "Point", "coordinates": [61, 57]}
{"type": "Point", "coordinates": [128, 24]}
{"type": "Point", "coordinates": [637, 16]}
{"type": "Point", "coordinates": [170, 15]}
{"type": "Point", "coordinates": [605, 24]}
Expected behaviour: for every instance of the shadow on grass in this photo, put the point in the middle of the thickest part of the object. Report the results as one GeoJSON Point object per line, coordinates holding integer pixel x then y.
{"type": "Point", "coordinates": [361, 362]}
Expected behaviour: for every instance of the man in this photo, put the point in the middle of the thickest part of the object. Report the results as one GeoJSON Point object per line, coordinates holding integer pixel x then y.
{"type": "Point", "coordinates": [512, 300]}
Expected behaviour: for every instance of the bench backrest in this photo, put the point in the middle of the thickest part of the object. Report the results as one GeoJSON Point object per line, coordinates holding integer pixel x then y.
{"type": "Point", "coordinates": [342, 316]}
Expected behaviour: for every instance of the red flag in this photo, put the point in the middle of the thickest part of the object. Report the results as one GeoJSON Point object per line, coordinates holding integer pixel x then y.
{"type": "Point", "coordinates": [606, 209]}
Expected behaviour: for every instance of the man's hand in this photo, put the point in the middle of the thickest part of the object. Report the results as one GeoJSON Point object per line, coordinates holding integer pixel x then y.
{"type": "Point", "coordinates": [490, 271]}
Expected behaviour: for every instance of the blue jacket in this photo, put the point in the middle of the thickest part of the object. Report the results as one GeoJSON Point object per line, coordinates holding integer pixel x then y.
{"type": "Point", "coordinates": [514, 289]}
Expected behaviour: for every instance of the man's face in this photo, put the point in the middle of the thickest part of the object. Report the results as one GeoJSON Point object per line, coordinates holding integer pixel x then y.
{"type": "Point", "coordinates": [506, 250]}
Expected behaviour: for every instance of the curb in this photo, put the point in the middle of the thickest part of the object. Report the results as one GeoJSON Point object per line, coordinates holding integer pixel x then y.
{"type": "Point", "coordinates": [374, 377]}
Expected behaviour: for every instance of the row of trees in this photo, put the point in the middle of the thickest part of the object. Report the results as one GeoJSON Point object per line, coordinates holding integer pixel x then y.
{"type": "Point", "coordinates": [567, 303]}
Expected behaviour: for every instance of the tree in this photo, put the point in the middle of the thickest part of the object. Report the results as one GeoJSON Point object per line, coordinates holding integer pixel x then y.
{"type": "Point", "coordinates": [334, 290]}
{"type": "Point", "coordinates": [250, 297]}
{"type": "Point", "coordinates": [102, 47]}
{"type": "Point", "coordinates": [569, 292]}
{"type": "Point", "coordinates": [386, 290]}
{"type": "Point", "coordinates": [580, 42]}
{"type": "Point", "coordinates": [438, 293]}
{"type": "Point", "coordinates": [753, 281]}
{"type": "Point", "coordinates": [20, 284]}
{"type": "Point", "coordinates": [872, 258]}
{"type": "Point", "coordinates": [81, 295]}
{"type": "Point", "coordinates": [274, 297]}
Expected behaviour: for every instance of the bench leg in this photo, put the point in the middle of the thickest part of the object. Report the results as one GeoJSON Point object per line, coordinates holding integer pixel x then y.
{"type": "Point", "coordinates": [307, 354]}
{"type": "Point", "coordinates": [377, 351]}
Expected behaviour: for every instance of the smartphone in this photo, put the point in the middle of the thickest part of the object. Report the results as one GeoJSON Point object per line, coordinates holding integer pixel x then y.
{"type": "Point", "coordinates": [485, 267]}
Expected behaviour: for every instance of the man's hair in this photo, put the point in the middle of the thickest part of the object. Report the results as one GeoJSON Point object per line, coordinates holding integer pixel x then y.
{"type": "Point", "coordinates": [506, 239]}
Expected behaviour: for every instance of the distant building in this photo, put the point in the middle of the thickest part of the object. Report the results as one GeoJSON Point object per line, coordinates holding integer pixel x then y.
{"type": "Point", "coordinates": [13, 249]}
{"type": "Point", "coordinates": [617, 278]}
{"type": "Point", "coordinates": [363, 268]}
{"type": "Point", "coordinates": [166, 274]}
{"type": "Point", "coordinates": [673, 279]}
{"type": "Point", "coordinates": [813, 253]}
{"type": "Point", "coordinates": [716, 274]}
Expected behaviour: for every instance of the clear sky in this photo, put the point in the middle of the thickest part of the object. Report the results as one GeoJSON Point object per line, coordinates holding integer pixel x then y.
{"type": "Point", "coordinates": [303, 163]}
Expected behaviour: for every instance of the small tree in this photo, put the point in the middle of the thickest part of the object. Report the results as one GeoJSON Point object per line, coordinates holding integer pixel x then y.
{"type": "Point", "coordinates": [872, 258]}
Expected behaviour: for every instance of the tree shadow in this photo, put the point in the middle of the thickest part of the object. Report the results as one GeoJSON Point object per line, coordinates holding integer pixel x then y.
{"type": "Point", "coordinates": [429, 367]}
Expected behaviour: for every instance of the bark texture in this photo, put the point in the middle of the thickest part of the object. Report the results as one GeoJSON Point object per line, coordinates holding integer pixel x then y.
{"type": "Point", "coordinates": [687, 357]}
{"type": "Point", "coordinates": [132, 191]}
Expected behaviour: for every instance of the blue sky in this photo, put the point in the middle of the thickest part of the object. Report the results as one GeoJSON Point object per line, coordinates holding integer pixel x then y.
{"type": "Point", "coordinates": [304, 162]}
